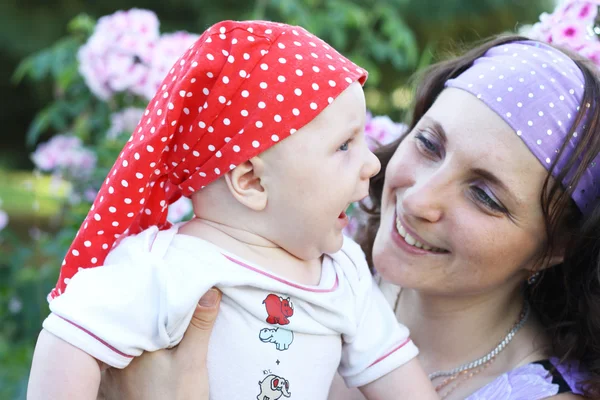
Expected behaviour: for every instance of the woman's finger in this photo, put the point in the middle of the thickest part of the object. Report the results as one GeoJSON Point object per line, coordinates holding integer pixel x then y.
{"type": "Point", "coordinates": [195, 340]}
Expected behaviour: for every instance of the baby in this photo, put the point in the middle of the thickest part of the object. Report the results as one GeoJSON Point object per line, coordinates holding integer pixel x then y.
{"type": "Point", "coordinates": [261, 125]}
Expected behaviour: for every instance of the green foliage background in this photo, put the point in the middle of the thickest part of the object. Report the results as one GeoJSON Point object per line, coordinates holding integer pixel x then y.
{"type": "Point", "coordinates": [42, 97]}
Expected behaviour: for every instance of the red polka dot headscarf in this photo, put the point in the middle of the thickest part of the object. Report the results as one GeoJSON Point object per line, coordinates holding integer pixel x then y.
{"type": "Point", "coordinates": [241, 88]}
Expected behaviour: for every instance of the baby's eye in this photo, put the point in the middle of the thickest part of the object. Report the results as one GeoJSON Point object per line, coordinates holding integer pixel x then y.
{"type": "Point", "coordinates": [345, 146]}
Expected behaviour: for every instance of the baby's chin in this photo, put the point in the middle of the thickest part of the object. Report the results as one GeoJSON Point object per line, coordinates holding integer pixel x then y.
{"type": "Point", "coordinates": [334, 245]}
{"type": "Point", "coordinates": [314, 251]}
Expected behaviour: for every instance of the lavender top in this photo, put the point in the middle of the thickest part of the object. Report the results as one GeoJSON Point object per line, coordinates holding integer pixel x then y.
{"type": "Point", "coordinates": [533, 382]}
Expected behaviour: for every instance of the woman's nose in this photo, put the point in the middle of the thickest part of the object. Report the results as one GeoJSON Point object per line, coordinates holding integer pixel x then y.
{"type": "Point", "coordinates": [426, 199]}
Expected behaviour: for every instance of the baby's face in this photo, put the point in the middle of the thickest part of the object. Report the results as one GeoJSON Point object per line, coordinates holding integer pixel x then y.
{"type": "Point", "coordinates": [312, 177]}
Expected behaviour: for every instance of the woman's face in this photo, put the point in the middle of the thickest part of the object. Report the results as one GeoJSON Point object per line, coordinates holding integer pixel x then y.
{"type": "Point", "coordinates": [461, 209]}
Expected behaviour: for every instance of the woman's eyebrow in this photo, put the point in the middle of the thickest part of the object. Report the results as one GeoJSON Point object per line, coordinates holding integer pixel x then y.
{"type": "Point", "coordinates": [437, 127]}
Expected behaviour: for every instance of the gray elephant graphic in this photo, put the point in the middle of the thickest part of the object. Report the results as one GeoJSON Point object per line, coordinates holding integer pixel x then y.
{"type": "Point", "coordinates": [281, 337]}
{"type": "Point", "coordinates": [273, 387]}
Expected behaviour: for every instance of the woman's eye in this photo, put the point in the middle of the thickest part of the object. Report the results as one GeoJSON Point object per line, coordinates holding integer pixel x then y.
{"type": "Point", "coordinates": [345, 146]}
{"type": "Point", "coordinates": [427, 144]}
{"type": "Point", "coordinates": [482, 197]}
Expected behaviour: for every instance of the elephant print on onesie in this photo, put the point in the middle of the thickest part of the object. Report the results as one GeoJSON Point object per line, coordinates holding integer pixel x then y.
{"type": "Point", "coordinates": [273, 387]}
{"type": "Point", "coordinates": [278, 309]}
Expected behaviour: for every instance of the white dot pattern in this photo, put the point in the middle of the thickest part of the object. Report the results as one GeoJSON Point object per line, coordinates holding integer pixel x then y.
{"type": "Point", "coordinates": [243, 108]}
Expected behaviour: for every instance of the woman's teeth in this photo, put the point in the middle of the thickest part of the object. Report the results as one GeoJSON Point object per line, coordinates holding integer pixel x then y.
{"type": "Point", "coordinates": [412, 241]}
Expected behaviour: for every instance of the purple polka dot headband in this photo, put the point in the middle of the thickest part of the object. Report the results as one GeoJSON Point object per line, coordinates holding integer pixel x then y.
{"type": "Point", "coordinates": [538, 91]}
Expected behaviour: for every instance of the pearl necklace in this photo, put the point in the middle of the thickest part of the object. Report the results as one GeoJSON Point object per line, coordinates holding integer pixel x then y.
{"type": "Point", "coordinates": [501, 346]}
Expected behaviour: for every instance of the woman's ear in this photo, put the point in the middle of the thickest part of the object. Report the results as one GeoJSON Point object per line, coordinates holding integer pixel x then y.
{"type": "Point", "coordinates": [557, 256]}
{"type": "Point", "coordinates": [555, 260]}
{"type": "Point", "coordinates": [244, 183]}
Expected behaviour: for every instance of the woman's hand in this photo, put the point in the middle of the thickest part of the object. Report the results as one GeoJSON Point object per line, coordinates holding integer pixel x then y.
{"type": "Point", "coordinates": [179, 373]}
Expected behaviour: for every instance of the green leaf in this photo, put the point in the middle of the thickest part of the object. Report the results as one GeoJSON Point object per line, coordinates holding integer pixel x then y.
{"type": "Point", "coordinates": [368, 64]}
{"type": "Point", "coordinates": [37, 66]}
{"type": "Point", "coordinates": [22, 70]}
{"type": "Point", "coordinates": [81, 126]}
{"type": "Point", "coordinates": [402, 43]}
{"type": "Point", "coordinates": [59, 115]}
{"type": "Point", "coordinates": [427, 56]}
{"type": "Point", "coordinates": [83, 24]}
{"type": "Point", "coordinates": [40, 123]}
{"type": "Point", "coordinates": [66, 76]}
{"type": "Point", "coordinates": [64, 55]}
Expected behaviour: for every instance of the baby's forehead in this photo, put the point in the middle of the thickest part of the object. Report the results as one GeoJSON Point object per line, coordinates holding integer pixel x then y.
{"type": "Point", "coordinates": [343, 118]}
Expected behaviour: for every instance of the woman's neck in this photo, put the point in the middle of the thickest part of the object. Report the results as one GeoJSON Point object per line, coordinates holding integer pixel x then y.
{"type": "Point", "coordinates": [451, 331]}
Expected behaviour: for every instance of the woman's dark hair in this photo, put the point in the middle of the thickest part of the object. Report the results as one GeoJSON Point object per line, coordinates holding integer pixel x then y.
{"type": "Point", "coordinates": [566, 297]}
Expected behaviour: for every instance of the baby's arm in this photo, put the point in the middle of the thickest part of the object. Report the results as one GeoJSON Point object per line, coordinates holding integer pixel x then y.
{"type": "Point", "coordinates": [62, 371]}
{"type": "Point", "coordinates": [136, 302]}
{"type": "Point", "coordinates": [379, 357]}
{"type": "Point", "coordinates": [408, 381]}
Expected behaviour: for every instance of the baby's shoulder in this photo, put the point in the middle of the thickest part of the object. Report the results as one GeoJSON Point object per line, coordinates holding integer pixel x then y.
{"type": "Point", "coordinates": [149, 242]}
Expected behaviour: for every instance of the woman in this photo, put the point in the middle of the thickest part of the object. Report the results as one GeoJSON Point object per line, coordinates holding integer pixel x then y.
{"type": "Point", "coordinates": [487, 215]}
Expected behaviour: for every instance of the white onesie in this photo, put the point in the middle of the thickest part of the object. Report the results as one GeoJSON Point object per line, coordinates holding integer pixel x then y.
{"type": "Point", "coordinates": [273, 338]}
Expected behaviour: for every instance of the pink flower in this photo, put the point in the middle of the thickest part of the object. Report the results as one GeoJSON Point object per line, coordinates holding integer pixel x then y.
{"type": "Point", "coordinates": [179, 210]}
{"type": "Point", "coordinates": [169, 48]}
{"type": "Point", "coordinates": [117, 56]}
{"type": "Point", "coordinates": [569, 34]}
{"type": "Point", "coordinates": [65, 154]}
{"type": "Point", "coordinates": [381, 130]}
{"type": "Point", "coordinates": [124, 122]}
{"type": "Point", "coordinates": [584, 11]}
{"type": "Point", "coordinates": [35, 233]}
{"type": "Point", "coordinates": [538, 31]}
{"type": "Point", "coordinates": [591, 51]}
{"type": "Point", "coordinates": [89, 195]}
{"type": "Point", "coordinates": [570, 25]}
{"type": "Point", "coordinates": [48, 156]}
{"type": "Point", "coordinates": [15, 305]}
{"type": "Point", "coordinates": [3, 219]}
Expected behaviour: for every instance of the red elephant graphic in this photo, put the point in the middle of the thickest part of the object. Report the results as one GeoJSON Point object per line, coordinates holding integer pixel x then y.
{"type": "Point", "coordinates": [278, 309]}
